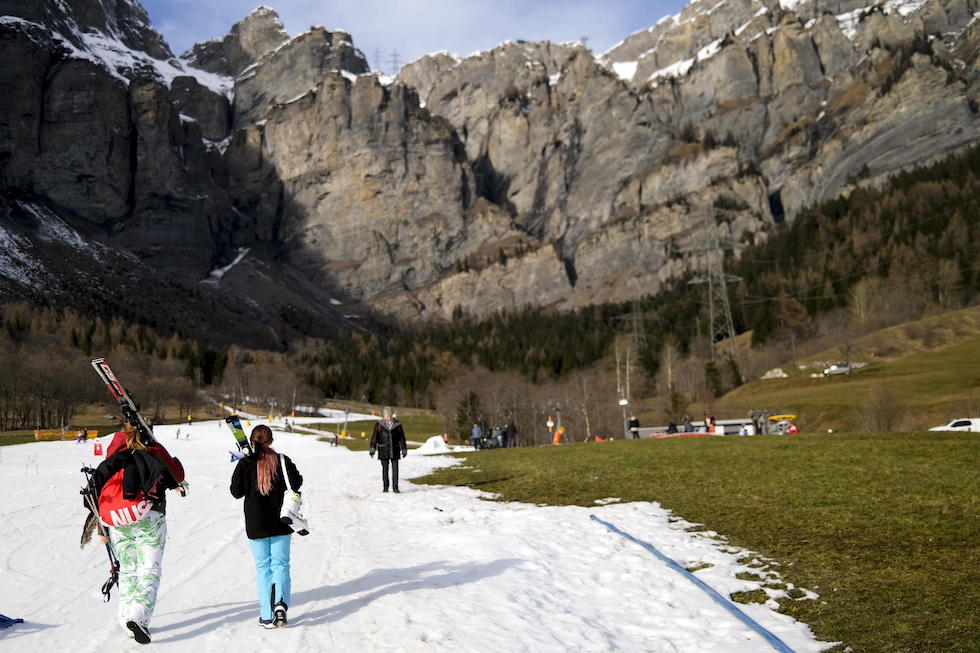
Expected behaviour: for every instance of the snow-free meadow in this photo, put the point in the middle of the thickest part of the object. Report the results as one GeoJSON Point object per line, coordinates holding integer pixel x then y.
{"type": "Point", "coordinates": [432, 568]}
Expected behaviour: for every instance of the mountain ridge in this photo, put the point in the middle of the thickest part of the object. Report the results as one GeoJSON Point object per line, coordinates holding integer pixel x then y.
{"type": "Point", "coordinates": [530, 174]}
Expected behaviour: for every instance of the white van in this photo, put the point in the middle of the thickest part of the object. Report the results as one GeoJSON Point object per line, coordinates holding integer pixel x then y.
{"type": "Point", "coordinates": [961, 424]}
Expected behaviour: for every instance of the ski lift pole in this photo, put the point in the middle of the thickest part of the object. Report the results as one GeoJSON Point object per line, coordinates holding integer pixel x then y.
{"type": "Point", "coordinates": [90, 493]}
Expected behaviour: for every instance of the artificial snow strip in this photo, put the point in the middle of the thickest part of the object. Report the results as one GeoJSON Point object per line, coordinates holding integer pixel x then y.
{"type": "Point", "coordinates": [776, 643]}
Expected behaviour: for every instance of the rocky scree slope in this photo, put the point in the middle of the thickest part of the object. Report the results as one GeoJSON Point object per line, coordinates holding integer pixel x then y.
{"type": "Point", "coordinates": [534, 173]}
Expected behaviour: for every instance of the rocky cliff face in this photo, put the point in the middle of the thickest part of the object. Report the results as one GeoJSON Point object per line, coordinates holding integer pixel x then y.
{"type": "Point", "coordinates": [115, 145]}
{"type": "Point", "coordinates": [731, 116]}
{"type": "Point", "coordinates": [534, 173]}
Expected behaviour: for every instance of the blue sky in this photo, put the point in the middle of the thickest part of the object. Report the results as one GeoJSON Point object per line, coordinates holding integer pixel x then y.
{"type": "Point", "coordinates": [417, 27]}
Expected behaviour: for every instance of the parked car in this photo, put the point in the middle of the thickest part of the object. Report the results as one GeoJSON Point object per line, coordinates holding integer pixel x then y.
{"type": "Point", "coordinates": [961, 424]}
{"type": "Point", "coordinates": [837, 368]}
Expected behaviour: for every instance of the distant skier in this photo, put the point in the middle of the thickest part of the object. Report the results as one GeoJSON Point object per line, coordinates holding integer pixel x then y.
{"type": "Point", "coordinates": [388, 441]}
{"type": "Point", "coordinates": [634, 427]}
{"type": "Point", "coordinates": [475, 436]}
{"type": "Point", "coordinates": [138, 545]}
{"type": "Point", "coordinates": [259, 479]}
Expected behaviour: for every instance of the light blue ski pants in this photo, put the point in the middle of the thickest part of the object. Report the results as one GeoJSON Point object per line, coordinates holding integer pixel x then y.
{"type": "Point", "coordinates": [271, 572]}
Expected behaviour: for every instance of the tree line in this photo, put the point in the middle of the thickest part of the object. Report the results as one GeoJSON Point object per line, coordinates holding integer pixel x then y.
{"type": "Point", "coordinates": [874, 257]}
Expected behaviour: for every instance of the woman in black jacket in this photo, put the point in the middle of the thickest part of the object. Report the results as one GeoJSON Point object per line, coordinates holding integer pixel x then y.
{"type": "Point", "coordinates": [259, 479]}
{"type": "Point", "coordinates": [388, 441]}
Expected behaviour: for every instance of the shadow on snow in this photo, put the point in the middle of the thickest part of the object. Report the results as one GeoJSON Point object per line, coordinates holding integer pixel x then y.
{"type": "Point", "coordinates": [364, 590]}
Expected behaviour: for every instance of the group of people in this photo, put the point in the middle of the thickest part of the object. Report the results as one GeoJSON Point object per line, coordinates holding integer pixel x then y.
{"type": "Point", "coordinates": [148, 470]}
{"type": "Point", "coordinates": [496, 438]}
{"type": "Point", "coordinates": [260, 479]}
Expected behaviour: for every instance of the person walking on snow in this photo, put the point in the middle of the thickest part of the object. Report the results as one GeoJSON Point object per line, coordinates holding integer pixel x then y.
{"type": "Point", "coordinates": [139, 545]}
{"type": "Point", "coordinates": [388, 441]}
{"type": "Point", "coordinates": [259, 479]}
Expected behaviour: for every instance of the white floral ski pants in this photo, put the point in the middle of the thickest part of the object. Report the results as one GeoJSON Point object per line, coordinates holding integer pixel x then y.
{"type": "Point", "coordinates": [139, 548]}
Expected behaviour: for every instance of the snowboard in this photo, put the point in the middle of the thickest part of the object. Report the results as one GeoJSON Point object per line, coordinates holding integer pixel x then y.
{"type": "Point", "coordinates": [235, 424]}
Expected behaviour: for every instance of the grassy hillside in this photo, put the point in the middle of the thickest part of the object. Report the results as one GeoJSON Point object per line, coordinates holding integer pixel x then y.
{"type": "Point", "coordinates": [922, 373]}
{"type": "Point", "coordinates": [883, 526]}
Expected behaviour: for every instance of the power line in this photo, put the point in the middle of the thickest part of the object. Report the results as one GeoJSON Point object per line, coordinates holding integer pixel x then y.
{"type": "Point", "coordinates": [395, 61]}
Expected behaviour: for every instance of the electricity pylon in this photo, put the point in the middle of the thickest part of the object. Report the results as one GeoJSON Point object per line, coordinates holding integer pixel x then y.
{"type": "Point", "coordinates": [720, 323]}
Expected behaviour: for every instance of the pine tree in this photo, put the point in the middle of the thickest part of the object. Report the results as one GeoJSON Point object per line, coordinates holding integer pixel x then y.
{"type": "Point", "coordinates": [467, 414]}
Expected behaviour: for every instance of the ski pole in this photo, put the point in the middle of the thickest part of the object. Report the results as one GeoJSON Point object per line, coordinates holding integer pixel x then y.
{"type": "Point", "coordinates": [90, 494]}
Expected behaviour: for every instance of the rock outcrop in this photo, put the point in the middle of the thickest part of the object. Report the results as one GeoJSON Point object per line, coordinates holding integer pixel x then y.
{"type": "Point", "coordinates": [249, 39]}
{"type": "Point", "coordinates": [291, 69]}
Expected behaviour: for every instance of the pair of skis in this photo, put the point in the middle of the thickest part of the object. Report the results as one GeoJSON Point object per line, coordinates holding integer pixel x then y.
{"type": "Point", "coordinates": [130, 410]}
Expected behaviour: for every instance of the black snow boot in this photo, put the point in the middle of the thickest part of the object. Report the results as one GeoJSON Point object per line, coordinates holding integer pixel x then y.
{"type": "Point", "coordinates": [140, 632]}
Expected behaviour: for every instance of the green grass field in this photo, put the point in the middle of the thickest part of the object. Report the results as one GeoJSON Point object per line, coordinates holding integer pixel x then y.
{"type": "Point", "coordinates": [927, 389]}
{"type": "Point", "coordinates": [883, 526]}
{"type": "Point", "coordinates": [16, 437]}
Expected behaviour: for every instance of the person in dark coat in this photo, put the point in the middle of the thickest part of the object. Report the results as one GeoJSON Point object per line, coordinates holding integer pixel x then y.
{"type": "Point", "coordinates": [634, 427]}
{"type": "Point", "coordinates": [258, 479]}
{"type": "Point", "coordinates": [388, 441]}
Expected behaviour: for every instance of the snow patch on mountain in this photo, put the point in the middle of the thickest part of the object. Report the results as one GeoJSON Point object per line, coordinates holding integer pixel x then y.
{"type": "Point", "coordinates": [218, 273]}
{"type": "Point", "coordinates": [16, 264]}
{"type": "Point", "coordinates": [125, 63]}
{"type": "Point", "coordinates": [121, 61]}
{"type": "Point", "coordinates": [625, 69]}
{"type": "Point", "coordinates": [676, 69]}
{"type": "Point", "coordinates": [744, 26]}
{"type": "Point", "coordinates": [903, 7]}
{"type": "Point", "coordinates": [53, 229]}
{"type": "Point", "coordinates": [848, 21]}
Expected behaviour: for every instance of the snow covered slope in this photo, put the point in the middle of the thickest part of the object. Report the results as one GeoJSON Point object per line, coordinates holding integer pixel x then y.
{"type": "Point", "coordinates": [434, 568]}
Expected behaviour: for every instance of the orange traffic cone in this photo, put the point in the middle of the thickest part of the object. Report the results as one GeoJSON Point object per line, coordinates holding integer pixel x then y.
{"type": "Point", "coordinates": [97, 448]}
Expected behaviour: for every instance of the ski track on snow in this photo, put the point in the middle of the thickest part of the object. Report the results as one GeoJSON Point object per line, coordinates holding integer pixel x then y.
{"type": "Point", "coordinates": [434, 568]}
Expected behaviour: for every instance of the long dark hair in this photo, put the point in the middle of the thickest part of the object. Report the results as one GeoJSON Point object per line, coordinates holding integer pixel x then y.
{"type": "Point", "coordinates": [266, 465]}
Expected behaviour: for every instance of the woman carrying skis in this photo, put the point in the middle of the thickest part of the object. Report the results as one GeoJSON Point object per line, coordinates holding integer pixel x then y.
{"type": "Point", "coordinates": [388, 441]}
{"type": "Point", "coordinates": [259, 479]}
{"type": "Point", "coordinates": [138, 531]}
